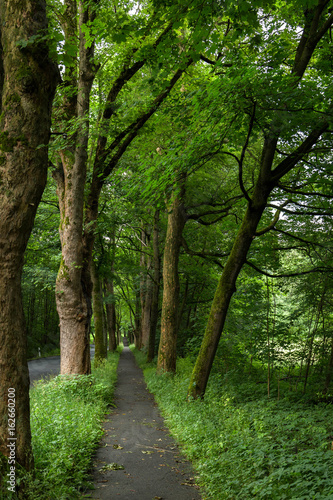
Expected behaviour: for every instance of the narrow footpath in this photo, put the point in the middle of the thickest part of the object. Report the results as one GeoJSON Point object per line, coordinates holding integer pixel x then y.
{"type": "Point", "coordinates": [138, 459]}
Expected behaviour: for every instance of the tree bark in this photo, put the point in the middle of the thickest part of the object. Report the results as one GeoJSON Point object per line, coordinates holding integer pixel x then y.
{"type": "Point", "coordinates": [329, 371]}
{"type": "Point", "coordinates": [137, 320]}
{"type": "Point", "coordinates": [27, 83]}
{"type": "Point", "coordinates": [100, 344]}
{"type": "Point", "coordinates": [156, 289]}
{"type": "Point", "coordinates": [167, 353]}
{"type": "Point", "coordinates": [111, 315]}
{"type": "Point", "coordinates": [144, 286]}
{"type": "Point", "coordinates": [73, 286]}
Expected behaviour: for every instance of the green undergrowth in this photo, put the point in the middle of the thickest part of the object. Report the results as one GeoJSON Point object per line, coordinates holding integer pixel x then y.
{"type": "Point", "coordinates": [244, 445]}
{"type": "Point", "coordinates": [66, 425]}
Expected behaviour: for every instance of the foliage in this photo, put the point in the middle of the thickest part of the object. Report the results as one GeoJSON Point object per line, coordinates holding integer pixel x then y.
{"type": "Point", "coordinates": [66, 415]}
{"type": "Point", "coordinates": [245, 445]}
{"type": "Point", "coordinates": [42, 259]}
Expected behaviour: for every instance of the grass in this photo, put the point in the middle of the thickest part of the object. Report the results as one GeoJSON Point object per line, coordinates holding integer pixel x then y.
{"type": "Point", "coordinates": [244, 445]}
{"type": "Point", "coordinates": [66, 426]}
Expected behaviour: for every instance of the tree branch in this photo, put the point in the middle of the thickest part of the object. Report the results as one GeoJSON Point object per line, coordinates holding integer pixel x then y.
{"type": "Point", "coordinates": [305, 148]}
{"type": "Point", "coordinates": [293, 212]}
{"type": "Point", "coordinates": [289, 275]}
{"type": "Point", "coordinates": [132, 131]}
{"type": "Point", "coordinates": [310, 193]}
{"type": "Point", "coordinates": [270, 226]}
{"type": "Point", "coordinates": [204, 255]}
{"type": "Point", "coordinates": [224, 211]}
{"type": "Point", "coordinates": [298, 238]}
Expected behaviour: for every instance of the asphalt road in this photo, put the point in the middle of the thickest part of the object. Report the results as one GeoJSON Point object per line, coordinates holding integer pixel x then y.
{"type": "Point", "coordinates": [45, 367]}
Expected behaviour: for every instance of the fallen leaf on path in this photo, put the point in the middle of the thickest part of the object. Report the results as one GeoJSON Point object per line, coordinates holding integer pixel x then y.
{"type": "Point", "coordinates": [112, 466]}
{"type": "Point", "coordinates": [117, 447]}
{"type": "Point", "coordinates": [147, 452]}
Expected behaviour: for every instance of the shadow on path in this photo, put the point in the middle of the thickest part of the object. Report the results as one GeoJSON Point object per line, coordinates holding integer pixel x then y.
{"type": "Point", "coordinates": [138, 459]}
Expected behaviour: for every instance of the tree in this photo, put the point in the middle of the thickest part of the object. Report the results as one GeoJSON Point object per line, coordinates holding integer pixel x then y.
{"type": "Point", "coordinates": [27, 84]}
{"type": "Point", "coordinates": [73, 292]}
{"type": "Point", "coordinates": [74, 286]}
{"type": "Point", "coordinates": [167, 353]}
{"type": "Point", "coordinates": [273, 167]}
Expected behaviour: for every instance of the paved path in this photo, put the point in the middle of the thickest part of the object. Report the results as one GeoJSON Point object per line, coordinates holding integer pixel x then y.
{"type": "Point", "coordinates": [44, 367]}
{"type": "Point", "coordinates": [138, 459]}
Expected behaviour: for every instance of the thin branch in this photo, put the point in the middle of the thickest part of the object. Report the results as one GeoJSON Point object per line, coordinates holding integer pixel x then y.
{"type": "Point", "coordinates": [289, 163]}
{"type": "Point", "coordinates": [293, 212]}
{"type": "Point", "coordinates": [203, 255]}
{"type": "Point", "coordinates": [289, 275]}
{"type": "Point", "coordinates": [310, 193]}
{"type": "Point", "coordinates": [207, 60]}
{"type": "Point", "coordinates": [298, 238]}
{"type": "Point", "coordinates": [131, 132]}
{"type": "Point", "coordinates": [224, 211]}
{"type": "Point", "coordinates": [216, 204]}
{"type": "Point", "coordinates": [212, 63]}
{"type": "Point", "coordinates": [270, 226]}
{"type": "Point", "coordinates": [274, 221]}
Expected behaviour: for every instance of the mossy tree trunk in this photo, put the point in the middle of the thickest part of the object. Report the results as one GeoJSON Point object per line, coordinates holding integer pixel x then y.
{"type": "Point", "coordinates": [73, 287]}
{"type": "Point", "coordinates": [167, 352]}
{"type": "Point", "coordinates": [27, 84]}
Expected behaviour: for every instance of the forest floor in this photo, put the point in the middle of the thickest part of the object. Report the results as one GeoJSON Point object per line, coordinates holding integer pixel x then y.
{"type": "Point", "coordinates": [137, 457]}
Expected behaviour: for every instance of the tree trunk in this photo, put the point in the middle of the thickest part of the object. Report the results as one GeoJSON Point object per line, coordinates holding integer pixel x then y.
{"type": "Point", "coordinates": [329, 371]}
{"type": "Point", "coordinates": [73, 286]}
{"type": "Point", "coordinates": [312, 337]}
{"type": "Point", "coordinates": [167, 353]}
{"type": "Point", "coordinates": [225, 290]}
{"type": "Point", "coordinates": [100, 344]}
{"type": "Point", "coordinates": [148, 302]}
{"type": "Point", "coordinates": [268, 340]}
{"type": "Point", "coordinates": [143, 280]}
{"type": "Point", "coordinates": [156, 289]}
{"type": "Point", "coordinates": [137, 321]}
{"type": "Point", "coordinates": [27, 85]}
{"type": "Point", "coordinates": [111, 315]}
